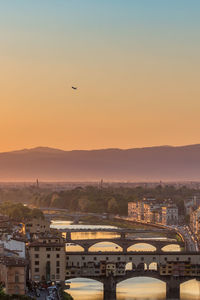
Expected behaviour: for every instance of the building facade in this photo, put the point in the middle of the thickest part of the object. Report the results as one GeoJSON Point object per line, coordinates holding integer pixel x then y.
{"type": "Point", "coordinates": [47, 258]}
{"type": "Point", "coordinates": [12, 272]}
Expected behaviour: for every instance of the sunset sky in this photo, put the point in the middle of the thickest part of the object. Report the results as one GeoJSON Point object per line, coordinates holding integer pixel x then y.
{"type": "Point", "coordinates": [136, 64]}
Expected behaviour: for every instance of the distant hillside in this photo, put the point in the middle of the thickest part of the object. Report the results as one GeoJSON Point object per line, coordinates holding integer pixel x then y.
{"type": "Point", "coordinates": [138, 164]}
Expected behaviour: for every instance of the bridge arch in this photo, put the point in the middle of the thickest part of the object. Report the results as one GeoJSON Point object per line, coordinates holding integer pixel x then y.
{"type": "Point", "coordinates": [70, 247]}
{"type": "Point", "coordinates": [69, 278]}
{"type": "Point", "coordinates": [105, 246]}
{"type": "Point", "coordinates": [190, 286]}
{"type": "Point", "coordinates": [171, 247]}
{"type": "Point", "coordinates": [130, 286]}
{"type": "Point", "coordinates": [141, 246]}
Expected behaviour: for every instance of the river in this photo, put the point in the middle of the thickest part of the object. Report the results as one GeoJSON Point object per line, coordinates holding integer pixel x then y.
{"type": "Point", "coordinates": [140, 288]}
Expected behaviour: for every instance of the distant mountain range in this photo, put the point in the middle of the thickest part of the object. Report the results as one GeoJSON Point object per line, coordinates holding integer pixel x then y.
{"type": "Point", "coordinates": [137, 164]}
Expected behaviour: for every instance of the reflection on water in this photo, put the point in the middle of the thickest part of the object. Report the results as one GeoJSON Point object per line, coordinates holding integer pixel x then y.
{"type": "Point", "coordinates": [131, 289]}
{"type": "Point", "coordinates": [140, 288]}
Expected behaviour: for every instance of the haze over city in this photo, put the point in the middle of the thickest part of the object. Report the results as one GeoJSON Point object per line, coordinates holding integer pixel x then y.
{"type": "Point", "coordinates": [135, 63]}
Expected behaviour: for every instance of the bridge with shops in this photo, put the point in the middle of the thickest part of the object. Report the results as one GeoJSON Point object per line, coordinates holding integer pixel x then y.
{"type": "Point", "coordinates": [111, 268]}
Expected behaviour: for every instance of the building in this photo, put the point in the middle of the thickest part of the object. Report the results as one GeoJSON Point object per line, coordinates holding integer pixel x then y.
{"type": "Point", "coordinates": [169, 215]}
{"type": "Point", "coordinates": [149, 211]}
{"type": "Point", "coordinates": [12, 272]}
{"type": "Point", "coordinates": [136, 210]}
{"type": "Point", "coordinates": [47, 258]}
{"type": "Point", "coordinates": [133, 210]}
{"type": "Point", "coordinates": [35, 226]}
{"type": "Point", "coordinates": [195, 222]}
{"type": "Point", "coordinates": [180, 269]}
{"type": "Point", "coordinates": [16, 244]}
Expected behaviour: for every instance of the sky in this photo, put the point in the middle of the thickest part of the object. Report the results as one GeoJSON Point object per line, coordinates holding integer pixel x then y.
{"type": "Point", "coordinates": [136, 64]}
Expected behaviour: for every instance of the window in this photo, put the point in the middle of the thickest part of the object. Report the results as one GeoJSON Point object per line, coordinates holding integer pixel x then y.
{"type": "Point", "coordinates": [142, 258]}
{"type": "Point", "coordinates": [106, 258]}
{"type": "Point", "coordinates": [67, 258]}
{"type": "Point", "coordinates": [118, 258]}
{"type": "Point", "coordinates": [16, 277]}
{"type": "Point", "coordinates": [57, 264]}
{"type": "Point", "coordinates": [36, 270]}
{"type": "Point", "coordinates": [48, 249]}
{"type": "Point", "coordinates": [95, 258]}
{"type": "Point", "coordinates": [83, 258]}
{"type": "Point", "coordinates": [130, 258]}
{"type": "Point", "coordinates": [57, 271]}
{"type": "Point", "coordinates": [37, 263]}
{"type": "Point", "coordinates": [48, 255]}
{"type": "Point", "coordinates": [57, 255]}
{"type": "Point", "coordinates": [36, 248]}
{"type": "Point", "coordinates": [36, 255]}
{"type": "Point", "coordinates": [57, 249]}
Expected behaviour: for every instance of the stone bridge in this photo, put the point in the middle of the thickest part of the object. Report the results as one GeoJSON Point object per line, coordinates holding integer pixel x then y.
{"type": "Point", "coordinates": [125, 243]}
{"type": "Point", "coordinates": [110, 268]}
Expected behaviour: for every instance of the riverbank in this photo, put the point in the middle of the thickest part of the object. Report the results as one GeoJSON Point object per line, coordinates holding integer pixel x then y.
{"type": "Point", "coordinates": [93, 220]}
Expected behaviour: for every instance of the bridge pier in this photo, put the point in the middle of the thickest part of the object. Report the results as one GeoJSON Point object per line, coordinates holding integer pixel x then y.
{"type": "Point", "coordinates": [173, 288]}
{"type": "Point", "coordinates": [68, 236]}
{"type": "Point", "coordinates": [122, 235]}
{"type": "Point", "coordinates": [158, 248]}
{"type": "Point", "coordinates": [109, 288]}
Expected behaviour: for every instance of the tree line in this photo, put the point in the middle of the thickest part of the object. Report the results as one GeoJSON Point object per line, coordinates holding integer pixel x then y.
{"type": "Point", "coordinates": [19, 212]}
{"type": "Point", "coordinates": [111, 199]}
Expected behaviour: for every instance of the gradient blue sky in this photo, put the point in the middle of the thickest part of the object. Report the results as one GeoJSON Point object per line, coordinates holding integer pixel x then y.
{"type": "Point", "coordinates": [136, 63]}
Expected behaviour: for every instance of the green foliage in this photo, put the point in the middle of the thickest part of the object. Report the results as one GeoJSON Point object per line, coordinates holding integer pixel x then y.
{"type": "Point", "coordinates": [66, 296]}
{"type": "Point", "coordinates": [112, 206]}
{"type": "Point", "coordinates": [111, 199]}
{"type": "Point", "coordinates": [19, 212]}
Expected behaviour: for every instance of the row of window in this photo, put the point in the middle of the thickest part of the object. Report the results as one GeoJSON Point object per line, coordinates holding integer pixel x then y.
{"type": "Point", "coordinates": [130, 258]}
{"type": "Point", "coordinates": [47, 249]}
{"type": "Point", "coordinates": [57, 263]}
{"type": "Point", "coordinates": [48, 256]}
{"type": "Point", "coordinates": [37, 270]}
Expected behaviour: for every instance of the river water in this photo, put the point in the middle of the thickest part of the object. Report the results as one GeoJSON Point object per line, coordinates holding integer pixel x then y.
{"type": "Point", "coordinates": [140, 288]}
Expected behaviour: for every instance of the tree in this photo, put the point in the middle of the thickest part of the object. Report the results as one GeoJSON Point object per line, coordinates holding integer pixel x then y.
{"type": "Point", "coordinates": [113, 206]}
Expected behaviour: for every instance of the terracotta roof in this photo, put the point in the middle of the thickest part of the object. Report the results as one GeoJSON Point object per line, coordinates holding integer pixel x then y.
{"type": "Point", "coordinates": [12, 261]}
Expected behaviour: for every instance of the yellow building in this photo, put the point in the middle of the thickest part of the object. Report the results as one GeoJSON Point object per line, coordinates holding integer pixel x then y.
{"type": "Point", "coordinates": [47, 258]}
